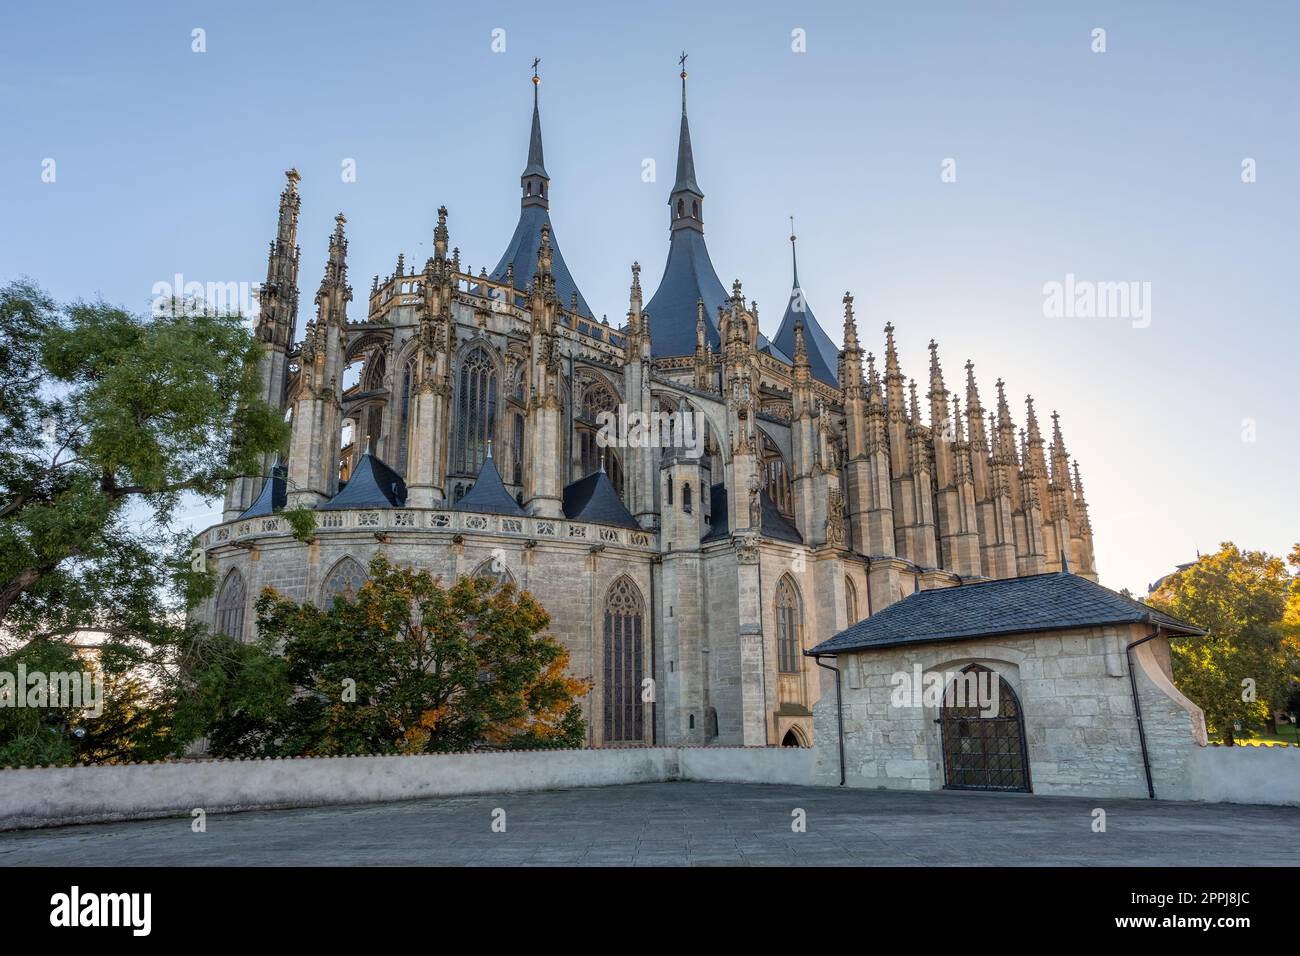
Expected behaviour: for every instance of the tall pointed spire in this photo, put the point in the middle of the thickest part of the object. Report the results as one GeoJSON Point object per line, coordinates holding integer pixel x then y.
{"type": "Point", "coordinates": [794, 255]}
{"type": "Point", "coordinates": [688, 274]}
{"type": "Point", "coordinates": [336, 266]}
{"type": "Point", "coordinates": [824, 357]}
{"type": "Point", "coordinates": [277, 316]}
{"type": "Point", "coordinates": [686, 165]}
{"type": "Point", "coordinates": [519, 262]}
{"type": "Point", "coordinates": [536, 163]}
{"type": "Point", "coordinates": [1033, 458]}
{"type": "Point", "coordinates": [534, 181]}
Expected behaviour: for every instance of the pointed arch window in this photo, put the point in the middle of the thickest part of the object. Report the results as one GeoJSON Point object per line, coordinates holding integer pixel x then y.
{"type": "Point", "coordinates": [495, 570]}
{"type": "Point", "coordinates": [850, 602]}
{"type": "Point", "coordinates": [231, 600]}
{"type": "Point", "coordinates": [476, 410]}
{"type": "Point", "coordinates": [517, 449]}
{"type": "Point", "coordinates": [789, 626]}
{"type": "Point", "coordinates": [404, 416]}
{"type": "Point", "coordinates": [344, 580]}
{"type": "Point", "coordinates": [624, 662]}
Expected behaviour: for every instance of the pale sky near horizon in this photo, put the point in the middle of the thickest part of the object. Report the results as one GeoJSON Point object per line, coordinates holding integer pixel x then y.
{"type": "Point", "coordinates": [1111, 167]}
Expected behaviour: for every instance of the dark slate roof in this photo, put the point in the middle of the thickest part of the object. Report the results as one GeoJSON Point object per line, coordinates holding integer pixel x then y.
{"type": "Point", "coordinates": [522, 252]}
{"type": "Point", "coordinates": [717, 513]}
{"type": "Point", "coordinates": [1042, 602]}
{"type": "Point", "coordinates": [536, 166]}
{"type": "Point", "coordinates": [686, 160]}
{"type": "Point", "coordinates": [688, 277]}
{"type": "Point", "coordinates": [371, 485]}
{"type": "Point", "coordinates": [823, 356]}
{"type": "Point", "coordinates": [594, 499]}
{"type": "Point", "coordinates": [489, 495]}
{"type": "Point", "coordinates": [272, 497]}
{"type": "Point", "coordinates": [775, 524]}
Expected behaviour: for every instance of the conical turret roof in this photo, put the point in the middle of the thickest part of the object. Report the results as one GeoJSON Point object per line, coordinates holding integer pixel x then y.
{"type": "Point", "coordinates": [489, 495]}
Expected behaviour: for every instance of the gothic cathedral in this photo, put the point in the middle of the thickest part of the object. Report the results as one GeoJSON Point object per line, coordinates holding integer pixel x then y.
{"type": "Point", "coordinates": [457, 426]}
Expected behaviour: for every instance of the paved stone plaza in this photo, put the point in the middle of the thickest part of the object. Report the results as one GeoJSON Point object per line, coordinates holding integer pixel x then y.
{"type": "Point", "coordinates": [700, 824]}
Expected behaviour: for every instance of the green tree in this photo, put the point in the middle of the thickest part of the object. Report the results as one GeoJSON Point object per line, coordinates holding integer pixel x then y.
{"type": "Point", "coordinates": [407, 665]}
{"type": "Point", "coordinates": [106, 420]}
{"type": "Point", "coordinates": [1246, 600]}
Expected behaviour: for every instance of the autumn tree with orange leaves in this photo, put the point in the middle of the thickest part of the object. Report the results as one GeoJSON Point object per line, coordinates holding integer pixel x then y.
{"type": "Point", "coordinates": [406, 665]}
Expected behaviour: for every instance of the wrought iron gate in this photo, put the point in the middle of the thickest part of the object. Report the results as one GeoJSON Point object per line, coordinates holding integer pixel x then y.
{"type": "Point", "coordinates": [984, 753]}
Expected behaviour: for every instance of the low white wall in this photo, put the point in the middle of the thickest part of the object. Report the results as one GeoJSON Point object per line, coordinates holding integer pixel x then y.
{"type": "Point", "coordinates": [792, 765]}
{"type": "Point", "coordinates": [1243, 775]}
{"type": "Point", "coordinates": [51, 796]}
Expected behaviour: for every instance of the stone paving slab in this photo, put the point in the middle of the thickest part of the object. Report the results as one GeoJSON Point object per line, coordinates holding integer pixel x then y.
{"type": "Point", "coordinates": [693, 824]}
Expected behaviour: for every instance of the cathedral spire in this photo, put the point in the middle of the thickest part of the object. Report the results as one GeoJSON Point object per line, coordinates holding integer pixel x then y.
{"type": "Point", "coordinates": [336, 266]}
{"type": "Point", "coordinates": [277, 316]}
{"type": "Point", "coordinates": [801, 367]}
{"type": "Point", "coordinates": [1005, 446]}
{"type": "Point", "coordinates": [688, 274]}
{"type": "Point", "coordinates": [938, 395]}
{"type": "Point", "coordinates": [519, 262]}
{"type": "Point", "coordinates": [687, 199]}
{"type": "Point", "coordinates": [1033, 458]}
{"type": "Point", "coordinates": [794, 256]}
{"type": "Point", "coordinates": [894, 398]}
{"type": "Point", "coordinates": [824, 357]}
{"type": "Point", "coordinates": [634, 301]}
{"type": "Point", "coordinates": [534, 179]}
{"type": "Point", "coordinates": [851, 355]}
{"type": "Point", "coordinates": [1060, 457]}
{"type": "Point", "coordinates": [974, 410]}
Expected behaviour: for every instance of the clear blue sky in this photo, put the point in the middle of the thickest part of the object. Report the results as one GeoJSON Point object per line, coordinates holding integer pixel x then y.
{"type": "Point", "coordinates": [1124, 165]}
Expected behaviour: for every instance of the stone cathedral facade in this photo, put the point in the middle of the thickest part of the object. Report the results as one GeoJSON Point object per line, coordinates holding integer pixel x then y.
{"type": "Point", "coordinates": [451, 420]}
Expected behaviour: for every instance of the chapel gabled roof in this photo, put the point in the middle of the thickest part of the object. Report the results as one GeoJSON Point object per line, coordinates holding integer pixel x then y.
{"type": "Point", "coordinates": [372, 484]}
{"type": "Point", "coordinates": [489, 495]}
{"type": "Point", "coordinates": [1056, 601]}
{"type": "Point", "coordinates": [594, 499]}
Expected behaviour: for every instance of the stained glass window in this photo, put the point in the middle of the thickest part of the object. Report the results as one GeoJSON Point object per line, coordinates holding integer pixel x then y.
{"type": "Point", "coordinates": [344, 580]}
{"type": "Point", "coordinates": [230, 606]}
{"type": "Point", "coordinates": [624, 662]}
{"type": "Point", "coordinates": [789, 626]}
{"type": "Point", "coordinates": [476, 411]}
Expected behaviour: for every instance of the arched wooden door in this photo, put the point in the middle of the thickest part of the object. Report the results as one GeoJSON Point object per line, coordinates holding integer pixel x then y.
{"type": "Point", "coordinates": [979, 752]}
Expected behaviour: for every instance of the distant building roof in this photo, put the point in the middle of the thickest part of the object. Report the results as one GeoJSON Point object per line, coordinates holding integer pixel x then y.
{"type": "Point", "coordinates": [272, 497]}
{"type": "Point", "coordinates": [1042, 602]}
{"type": "Point", "coordinates": [594, 499]}
{"type": "Point", "coordinates": [489, 495]}
{"type": "Point", "coordinates": [372, 484]}
{"type": "Point", "coordinates": [1153, 588]}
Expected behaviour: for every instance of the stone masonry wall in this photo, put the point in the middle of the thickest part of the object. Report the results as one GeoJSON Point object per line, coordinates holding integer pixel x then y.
{"type": "Point", "coordinates": [1073, 688]}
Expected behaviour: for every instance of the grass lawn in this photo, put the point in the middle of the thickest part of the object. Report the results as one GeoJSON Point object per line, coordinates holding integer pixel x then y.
{"type": "Point", "coordinates": [1286, 734]}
